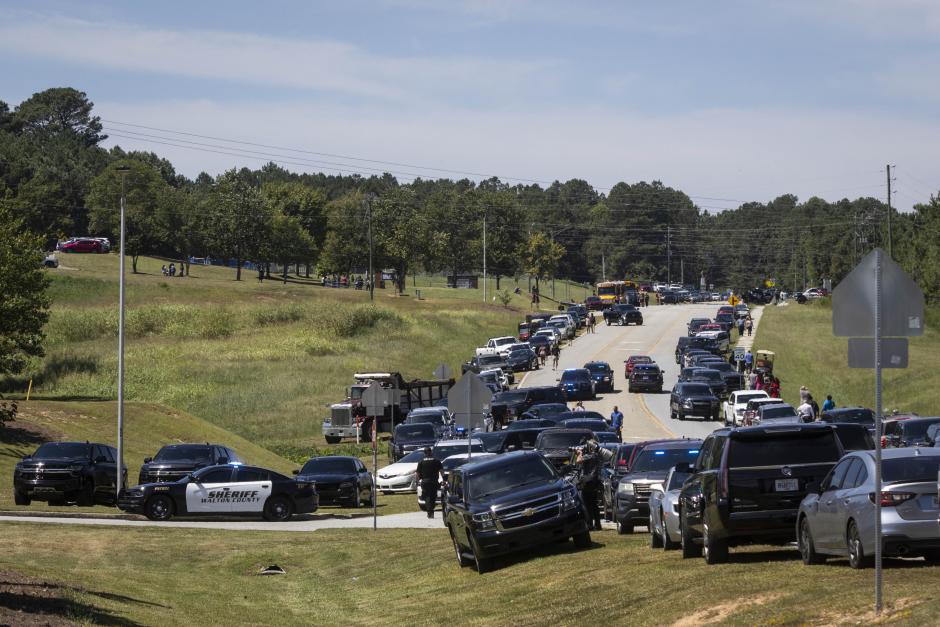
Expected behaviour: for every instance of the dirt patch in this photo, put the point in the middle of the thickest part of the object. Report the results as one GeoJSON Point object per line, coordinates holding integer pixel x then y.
{"type": "Point", "coordinates": [723, 611]}
{"type": "Point", "coordinates": [894, 611]}
{"type": "Point", "coordinates": [30, 601]}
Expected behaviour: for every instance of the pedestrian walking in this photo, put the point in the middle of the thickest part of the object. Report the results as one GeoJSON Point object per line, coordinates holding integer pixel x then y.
{"type": "Point", "coordinates": [579, 406]}
{"type": "Point", "coordinates": [556, 352]}
{"type": "Point", "coordinates": [748, 361]}
{"type": "Point", "coordinates": [828, 403]}
{"type": "Point", "coordinates": [774, 387]}
{"type": "Point", "coordinates": [543, 353]}
{"type": "Point", "coordinates": [172, 270]}
{"type": "Point", "coordinates": [749, 325]}
{"type": "Point", "coordinates": [429, 476]}
{"type": "Point", "coordinates": [751, 380]}
{"type": "Point", "coordinates": [616, 422]}
{"type": "Point", "coordinates": [804, 393]}
{"type": "Point", "coordinates": [163, 270]}
{"type": "Point", "coordinates": [740, 327]}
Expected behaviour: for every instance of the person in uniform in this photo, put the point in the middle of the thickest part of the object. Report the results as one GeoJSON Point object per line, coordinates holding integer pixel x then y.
{"type": "Point", "coordinates": [589, 459]}
{"type": "Point", "coordinates": [429, 476]}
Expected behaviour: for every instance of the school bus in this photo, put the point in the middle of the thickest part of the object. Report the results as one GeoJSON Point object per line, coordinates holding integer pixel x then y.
{"type": "Point", "coordinates": [611, 292]}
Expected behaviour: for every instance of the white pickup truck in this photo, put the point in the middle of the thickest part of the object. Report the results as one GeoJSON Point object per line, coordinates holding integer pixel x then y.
{"type": "Point", "coordinates": [497, 345]}
{"type": "Point", "coordinates": [733, 408]}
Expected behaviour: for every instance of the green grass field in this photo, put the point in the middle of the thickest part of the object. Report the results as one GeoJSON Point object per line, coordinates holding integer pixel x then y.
{"type": "Point", "coordinates": [263, 360]}
{"type": "Point", "coordinates": [394, 577]}
{"type": "Point", "coordinates": [808, 354]}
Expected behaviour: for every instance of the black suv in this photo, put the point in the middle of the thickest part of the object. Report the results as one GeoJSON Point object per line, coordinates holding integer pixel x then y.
{"type": "Point", "coordinates": [704, 343]}
{"type": "Point", "coordinates": [522, 357]}
{"type": "Point", "coordinates": [175, 461]}
{"type": "Point", "coordinates": [610, 475]}
{"type": "Point", "coordinates": [511, 404]}
{"type": "Point", "coordinates": [623, 314]}
{"type": "Point", "coordinates": [411, 437]}
{"type": "Point", "coordinates": [632, 495]}
{"type": "Point", "coordinates": [59, 472]}
{"type": "Point", "coordinates": [338, 479]}
{"type": "Point", "coordinates": [480, 363]}
{"type": "Point", "coordinates": [693, 399]}
{"type": "Point", "coordinates": [555, 444]}
{"type": "Point", "coordinates": [508, 503]}
{"type": "Point", "coordinates": [747, 484]}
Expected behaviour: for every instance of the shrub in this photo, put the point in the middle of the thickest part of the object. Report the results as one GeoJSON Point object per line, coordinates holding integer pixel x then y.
{"type": "Point", "coordinates": [280, 314]}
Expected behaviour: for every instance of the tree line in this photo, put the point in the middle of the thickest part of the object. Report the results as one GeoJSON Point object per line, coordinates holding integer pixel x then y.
{"type": "Point", "coordinates": [58, 180]}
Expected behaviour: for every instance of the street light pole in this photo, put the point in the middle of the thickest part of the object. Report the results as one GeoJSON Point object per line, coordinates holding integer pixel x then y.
{"type": "Point", "coordinates": [120, 383]}
{"type": "Point", "coordinates": [484, 256]}
{"type": "Point", "coordinates": [371, 271]}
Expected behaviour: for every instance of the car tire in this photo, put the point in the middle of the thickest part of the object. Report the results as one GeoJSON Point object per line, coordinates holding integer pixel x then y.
{"type": "Point", "coordinates": [854, 548]}
{"type": "Point", "coordinates": [655, 541]}
{"type": "Point", "coordinates": [715, 418]}
{"type": "Point", "coordinates": [356, 501]}
{"type": "Point", "coordinates": [688, 546]}
{"type": "Point", "coordinates": [624, 528]}
{"type": "Point", "coordinates": [21, 498]}
{"type": "Point", "coordinates": [159, 507]}
{"type": "Point", "coordinates": [807, 546]}
{"type": "Point", "coordinates": [630, 389]}
{"type": "Point", "coordinates": [680, 416]}
{"type": "Point", "coordinates": [462, 560]}
{"type": "Point", "coordinates": [482, 564]}
{"type": "Point", "coordinates": [278, 509]}
{"type": "Point", "coordinates": [333, 439]}
{"type": "Point", "coordinates": [932, 556]}
{"type": "Point", "coordinates": [86, 498]}
{"type": "Point", "coordinates": [370, 498]}
{"type": "Point", "coordinates": [714, 551]}
{"type": "Point", "coordinates": [582, 540]}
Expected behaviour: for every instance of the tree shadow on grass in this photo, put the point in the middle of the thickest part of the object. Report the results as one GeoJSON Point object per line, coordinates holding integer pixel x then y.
{"type": "Point", "coordinates": [551, 549]}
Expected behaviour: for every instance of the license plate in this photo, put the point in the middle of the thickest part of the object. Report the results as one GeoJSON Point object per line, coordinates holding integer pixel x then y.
{"type": "Point", "coordinates": [44, 490]}
{"type": "Point", "coordinates": [786, 485]}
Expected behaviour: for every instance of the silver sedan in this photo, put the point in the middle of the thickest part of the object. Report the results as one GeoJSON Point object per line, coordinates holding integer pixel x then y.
{"type": "Point", "coordinates": [839, 518]}
{"type": "Point", "coordinates": [664, 511]}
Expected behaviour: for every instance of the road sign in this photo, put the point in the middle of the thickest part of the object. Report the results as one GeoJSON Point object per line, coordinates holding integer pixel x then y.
{"type": "Point", "coordinates": [734, 300]}
{"type": "Point", "coordinates": [375, 398]}
{"type": "Point", "coordinates": [893, 352]}
{"type": "Point", "coordinates": [854, 301]}
{"type": "Point", "coordinates": [739, 353]}
{"type": "Point", "coordinates": [443, 372]}
{"type": "Point", "coordinates": [877, 305]}
{"type": "Point", "coordinates": [468, 400]}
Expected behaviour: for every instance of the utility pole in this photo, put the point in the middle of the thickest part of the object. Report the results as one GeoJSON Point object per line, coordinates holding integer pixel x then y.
{"type": "Point", "coordinates": [603, 268]}
{"type": "Point", "coordinates": [890, 211]}
{"type": "Point", "coordinates": [120, 382]}
{"type": "Point", "coordinates": [371, 271]}
{"type": "Point", "coordinates": [669, 255]}
{"type": "Point", "coordinates": [682, 270]}
{"type": "Point", "coordinates": [484, 256]}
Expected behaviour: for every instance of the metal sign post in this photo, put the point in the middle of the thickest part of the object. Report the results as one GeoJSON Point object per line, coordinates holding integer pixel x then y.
{"type": "Point", "coordinates": [877, 297]}
{"type": "Point", "coordinates": [375, 399]}
{"type": "Point", "coordinates": [443, 371]}
{"type": "Point", "coordinates": [468, 400]}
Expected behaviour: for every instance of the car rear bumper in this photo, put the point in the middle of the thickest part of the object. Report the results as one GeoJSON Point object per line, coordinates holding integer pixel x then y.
{"type": "Point", "coordinates": [646, 385]}
{"type": "Point", "coordinates": [765, 525]}
{"type": "Point", "coordinates": [566, 524]}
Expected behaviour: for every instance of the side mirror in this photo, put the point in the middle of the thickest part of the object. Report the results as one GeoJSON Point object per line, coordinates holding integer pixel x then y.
{"type": "Point", "coordinates": [295, 471]}
{"type": "Point", "coordinates": [147, 460]}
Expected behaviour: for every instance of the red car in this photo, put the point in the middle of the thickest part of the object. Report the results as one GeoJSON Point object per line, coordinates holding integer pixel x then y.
{"type": "Point", "coordinates": [634, 360]}
{"type": "Point", "coordinates": [594, 303]}
{"type": "Point", "coordinates": [82, 246]}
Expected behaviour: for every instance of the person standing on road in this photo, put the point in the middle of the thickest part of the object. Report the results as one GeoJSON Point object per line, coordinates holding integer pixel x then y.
{"type": "Point", "coordinates": [543, 353]}
{"type": "Point", "coordinates": [806, 410]}
{"type": "Point", "coordinates": [556, 352]}
{"type": "Point", "coordinates": [749, 324]}
{"type": "Point", "coordinates": [740, 327]}
{"type": "Point", "coordinates": [579, 406]}
{"type": "Point", "coordinates": [748, 361]}
{"type": "Point", "coordinates": [616, 421]}
{"type": "Point", "coordinates": [828, 403]}
{"type": "Point", "coordinates": [429, 476]}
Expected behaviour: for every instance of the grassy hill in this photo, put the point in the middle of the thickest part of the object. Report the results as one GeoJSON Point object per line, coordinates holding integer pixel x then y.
{"type": "Point", "coordinates": [262, 360]}
{"type": "Point", "coordinates": [808, 354]}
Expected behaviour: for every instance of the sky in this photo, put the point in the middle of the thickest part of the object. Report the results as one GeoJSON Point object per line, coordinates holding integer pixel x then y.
{"type": "Point", "coordinates": [729, 101]}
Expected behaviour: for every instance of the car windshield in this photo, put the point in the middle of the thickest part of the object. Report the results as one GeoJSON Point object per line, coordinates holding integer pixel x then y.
{"type": "Point", "coordinates": [676, 480]}
{"type": "Point", "coordinates": [433, 418]}
{"type": "Point", "coordinates": [693, 389]}
{"type": "Point", "coordinates": [442, 452]}
{"type": "Point", "coordinates": [721, 366]}
{"type": "Point", "coordinates": [490, 360]}
{"type": "Point", "coordinates": [574, 375]}
{"type": "Point", "coordinates": [510, 396]}
{"type": "Point", "coordinates": [653, 459]}
{"type": "Point", "coordinates": [531, 470]}
{"type": "Point", "coordinates": [598, 368]}
{"type": "Point", "coordinates": [197, 453]}
{"type": "Point", "coordinates": [412, 458]}
{"type": "Point", "coordinates": [858, 416]}
{"type": "Point", "coordinates": [784, 449]}
{"type": "Point", "coordinates": [916, 429]}
{"type": "Point", "coordinates": [553, 441]}
{"type": "Point", "coordinates": [593, 425]}
{"type": "Point", "coordinates": [706, 375]}
{"type": "Point", "coordinates": [857, 439]}
{"type": "Point", "coordinates": [548, 409]}
{"type": "Point", "coordinates": [62, 450]}
{"type": "Point", "coordinates": [420, 431]}
{"type": "Point", "coordinates": [744, 398]}
{"type": "Point", "coordinates": [910, 469]}
{"type": "Point", "coordinates": [646, 369]}
{"type": "Point", "coordinates": [770, 413]}
{"type": "Point", "coordinates": [328, 466]}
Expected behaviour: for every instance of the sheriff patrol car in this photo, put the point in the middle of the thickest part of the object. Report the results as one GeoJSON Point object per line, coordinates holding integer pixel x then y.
{"type": "Point", "coordinates": [223, 490]}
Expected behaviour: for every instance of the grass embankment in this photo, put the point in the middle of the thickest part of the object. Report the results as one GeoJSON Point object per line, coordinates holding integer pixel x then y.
{"type": "Point", "coordinates": [179, 576]}
{"type": "Point", "coordinates": [260, 359]}
{"type": "Point", "coordinates": [808, 354]}
{"type": "Point", "coordinates": [147, 428]}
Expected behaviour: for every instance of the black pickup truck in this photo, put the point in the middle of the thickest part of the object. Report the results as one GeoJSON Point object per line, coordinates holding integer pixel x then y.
{"type": "Point", "coordinates": [623, 314]}
{"type": "Point", "coordinates": [84, 473]}
{"type": "Point", "coordinates": [480, 363]}
{"type": "Point", "coordinates": [511, 502]}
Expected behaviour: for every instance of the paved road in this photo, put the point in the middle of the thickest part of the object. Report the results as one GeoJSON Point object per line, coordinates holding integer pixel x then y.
{"type": "Point", "coordinates": [646, 416]}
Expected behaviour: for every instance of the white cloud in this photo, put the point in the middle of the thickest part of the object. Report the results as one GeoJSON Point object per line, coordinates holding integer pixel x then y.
{"type": "Point", "coordinates": [316, 64]}
{"type": "Point", "coordinates": [725, 153]}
